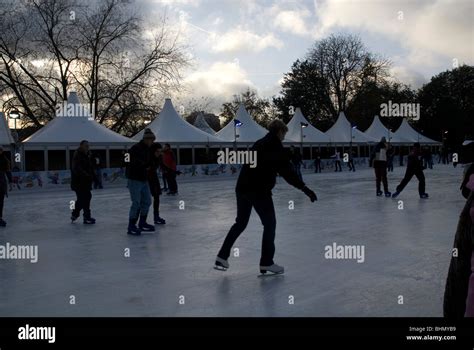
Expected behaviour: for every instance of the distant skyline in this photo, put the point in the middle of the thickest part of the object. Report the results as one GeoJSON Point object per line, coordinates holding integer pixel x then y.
{"type": "Point", "coordinates": [235, 44]}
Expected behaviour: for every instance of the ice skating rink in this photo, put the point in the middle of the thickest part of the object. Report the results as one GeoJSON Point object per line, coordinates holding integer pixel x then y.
{"type": "Point", "coordinates": [83, 271]}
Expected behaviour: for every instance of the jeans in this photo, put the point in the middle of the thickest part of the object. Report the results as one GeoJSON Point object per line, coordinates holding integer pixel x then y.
{"type": "Point", "coordinates": [263, 205]}
{"type": "Point", "coordinates": [141, 198]}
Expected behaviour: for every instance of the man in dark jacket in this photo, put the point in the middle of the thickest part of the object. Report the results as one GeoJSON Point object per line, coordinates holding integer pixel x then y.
{"type": "Point", "coordinates": [254, 190]}
{"type": "Point", "coordinates": [137, 175]}
{"type": "Point", "coordinates": [414, 167]}
{"type": "Point", "coordinates": [82, 175]}
{"type": "Point", "coordinates": [378, 159]}
{"type": "Point", "coordinates": [5, 175]}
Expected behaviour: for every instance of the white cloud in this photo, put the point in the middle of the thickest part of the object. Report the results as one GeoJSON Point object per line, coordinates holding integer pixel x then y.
{"type": "Point", "coordinates": [239, 39]}
{"type": "Point", "coordinates": [292, 21]}
{"type": "Point", "coordinates": [408, 76]}
{"type": "Point", "coordinates": [439, 27]}
{"type": "Point", "coordinates": [221, 80]}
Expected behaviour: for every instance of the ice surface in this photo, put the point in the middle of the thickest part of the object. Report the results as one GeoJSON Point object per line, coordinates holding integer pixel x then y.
{"type": "Point", "coordinates": [407, 252]}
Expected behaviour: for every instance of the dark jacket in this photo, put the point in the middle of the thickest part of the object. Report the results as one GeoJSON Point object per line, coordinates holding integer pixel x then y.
{"type": "Point", "coordinates": [457, 282]}
{"type": "Point", "coordinates": [5, 174]}
{"type": "Point", "coordinates": [82, 172]}
{"type": "Point", "coordinates": [139, 162]}
{"type": "Point", "coordinates": [415, 164]}
{"type": "Point", "coordinates": [272, 159]}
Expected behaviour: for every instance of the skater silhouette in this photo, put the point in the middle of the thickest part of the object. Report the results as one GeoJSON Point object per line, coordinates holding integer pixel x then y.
{"type": "Point", "coordinates": [254, 190]}
{"type": "Point", "coordinates": [414, 167]}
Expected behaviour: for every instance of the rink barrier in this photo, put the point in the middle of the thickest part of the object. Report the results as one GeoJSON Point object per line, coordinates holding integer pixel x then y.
{"type": "Point", "coordinates": [116, 176]}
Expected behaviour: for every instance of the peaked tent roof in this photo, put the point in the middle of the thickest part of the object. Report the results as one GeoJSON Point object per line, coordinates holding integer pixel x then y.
{"type": "Point", "coordinates": [5, 134]}
{"type": "Point", "coordinates": [249, 131]}
{"type": "Point", "coordinates": [202, 124]}
{"type": "Point", "coordinates": [407, 132]}
{"type": "Point", "coordinates": [377, 130]}
{"type": "Point", "coordinates": [310, 133]}
{"type": "Point", "coordinates": [168, 126]}
{"type": "Point", "coordinates": [340, 132]}
{"type": "Point", "coordinates": [73, 127]}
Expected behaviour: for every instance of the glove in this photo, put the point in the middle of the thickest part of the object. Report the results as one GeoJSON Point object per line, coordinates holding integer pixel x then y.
{"type": "Point", "coordinates": [310, 194]}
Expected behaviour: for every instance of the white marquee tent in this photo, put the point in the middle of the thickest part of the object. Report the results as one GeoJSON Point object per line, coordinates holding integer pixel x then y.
{"type": "Point", "coordinates": [64, 133]}
{"type": "Point", "coordinates": [341, 132]}
{"type": "Point", "coordinates": [68, 130]}
{"type": "Point", "coordinates": [405, 131]}
{"type": "Point", "coordinates": [170, 127]}
{"type": "Point", "coordinates": [202, 124]}
{"type": "Point", "coordinates": [377, 130]}
{"type": "Point", "coordinates": [5, 134]}
{"type": "Point", "coordinates": [248, 132]}
{"type": "Point", "coordinates": [310, 133]}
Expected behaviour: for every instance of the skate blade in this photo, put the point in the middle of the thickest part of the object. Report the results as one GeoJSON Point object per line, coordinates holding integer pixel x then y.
{"type": "Point", "coordinates": [270, 274]}
{"type": "Point", "coordinates": [220, 268]}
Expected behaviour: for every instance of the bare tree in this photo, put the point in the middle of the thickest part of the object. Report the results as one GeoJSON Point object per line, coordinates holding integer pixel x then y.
{"type": "Point", "coordinates": [101, 50]}
{"type": "Point", "coordinates": [346, 65]}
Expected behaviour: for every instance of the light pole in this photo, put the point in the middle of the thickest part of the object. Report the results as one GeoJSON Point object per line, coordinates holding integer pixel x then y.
{"type": "Point", "coordinates": [14, 114]}
{"type": "Point", "coordinates": [353, 127]}
{"type": "Point", "coordinates": [302, 126]}
{"type": "Point", "coordinates": [237, 123]}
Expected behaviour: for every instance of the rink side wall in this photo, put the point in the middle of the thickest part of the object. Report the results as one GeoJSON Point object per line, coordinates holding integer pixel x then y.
{"type": "Point", "coordinates": [116, 176]}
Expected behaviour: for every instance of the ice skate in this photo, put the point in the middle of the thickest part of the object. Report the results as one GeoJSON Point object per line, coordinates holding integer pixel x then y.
{"type": "Point", "coordinates": [144, 226]}
{"type": "Point", "coordinates": [89, 221]}
{"type": "Point", "coordinates": [2, 223]}
{"type": "Point", "coordinates": [221, 264]}
{"type": "Point", "coordinates": [132, 228]}
{"type": "Point", "coordinates": [379, 193]}
{"type": "Point", "coordinates": [273, 269]}
{"type": "Point", "coordinates": [388, 194]}
{"type": "Point", "coordinates": [424, 196]}
{"type": "Point", "coordinates": [395, 194]}
{"type": "Point", "coordinates": [74, 217]}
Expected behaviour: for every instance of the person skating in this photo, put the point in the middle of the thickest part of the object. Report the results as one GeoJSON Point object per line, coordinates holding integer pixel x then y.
{"type": "Point", "coordinates": [254, 190]}
{"type": "Point", "coordinates": [337, 161]}
{"type": "Point", "coordinates": [350, 162]}
{"type": "Point", "coordinates": [97, 166]}
{"type": "Point", "coordinates": [296, 161]}
{"type": "Point", "coordinates": [169, 169]}
{"type": "Point", "coordinates": [82, 176]}
{"type": "Point", "coordinates": [414, 167]}
{"type": "Point", "coordinates": [317, 162]}
{"type": "Point", "coordinates": [390, 156]}
{"type": "Point", "coordinates": [154, 181]}
{"type": "Point", "coordinates": [5, 177]}
{"type": "Point", "coordinates": [378, 159]}
{"type": "Point", "coordinates": [137, 183]}
{"type": "Point", "coordinates": [458, 299]}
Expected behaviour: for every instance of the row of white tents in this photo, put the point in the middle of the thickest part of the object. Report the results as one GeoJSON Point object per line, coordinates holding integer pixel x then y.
{"type": "Point", "coordinates": [65, 132]}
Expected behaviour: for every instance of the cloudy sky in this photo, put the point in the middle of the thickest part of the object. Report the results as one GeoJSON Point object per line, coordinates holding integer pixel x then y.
{"type": "Point", "coordinates": [237, 44]}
